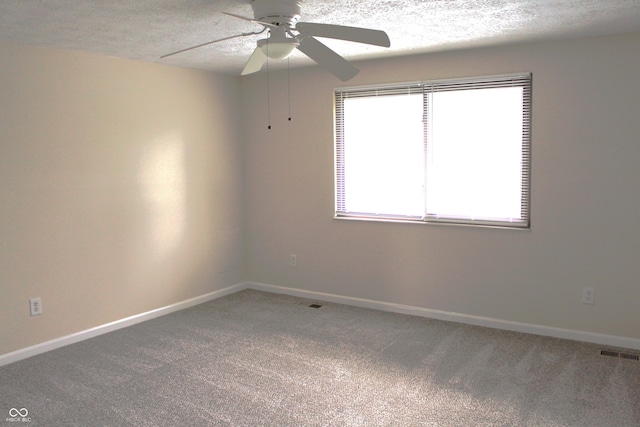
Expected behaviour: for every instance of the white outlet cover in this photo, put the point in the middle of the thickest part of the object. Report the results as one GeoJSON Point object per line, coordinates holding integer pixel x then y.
{"type": "Point", "coordinates": [35, 305]}
{"type": "Point", "coordinates": [588, 295]}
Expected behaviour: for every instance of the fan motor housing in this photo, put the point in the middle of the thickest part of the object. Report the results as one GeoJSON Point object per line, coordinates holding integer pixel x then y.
{"type": "Point", "coordinates": [277, 12]}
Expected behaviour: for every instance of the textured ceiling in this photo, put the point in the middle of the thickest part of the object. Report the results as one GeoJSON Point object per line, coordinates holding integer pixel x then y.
{"type": "Point", "coordinates": [146, 29]}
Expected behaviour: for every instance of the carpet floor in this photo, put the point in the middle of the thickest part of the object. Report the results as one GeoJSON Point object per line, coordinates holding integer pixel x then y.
{"type": "Point", "coordinates": [262, 359]}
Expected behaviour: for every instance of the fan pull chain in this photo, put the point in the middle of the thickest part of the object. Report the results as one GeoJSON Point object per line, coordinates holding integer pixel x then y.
{"type": "Point", "coordinates": [289, 84]}
{"type": "Point", "coordinates": [268, 91]}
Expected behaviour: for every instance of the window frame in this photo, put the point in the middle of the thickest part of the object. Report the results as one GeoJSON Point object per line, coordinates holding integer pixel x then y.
{"type": "Point", "coordinates": [426, 87]}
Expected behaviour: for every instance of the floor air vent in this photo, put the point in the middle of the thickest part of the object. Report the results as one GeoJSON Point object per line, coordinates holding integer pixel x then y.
{"type": "Point", "coordinates": [620, 355]}
{"type": "Point", "coordinates": [315, 306]}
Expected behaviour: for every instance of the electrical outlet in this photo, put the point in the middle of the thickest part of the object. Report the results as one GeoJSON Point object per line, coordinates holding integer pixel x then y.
{"type": "Point", "coordinates": [588, 295]}
{"type": "Point", "coordinates": [294, 260]}
{"type": "Point", "coordinates": [35, 305]}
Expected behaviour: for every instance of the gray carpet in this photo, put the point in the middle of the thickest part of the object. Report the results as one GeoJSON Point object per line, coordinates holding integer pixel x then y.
{"type": "Point", "coordinates": [260, 359]}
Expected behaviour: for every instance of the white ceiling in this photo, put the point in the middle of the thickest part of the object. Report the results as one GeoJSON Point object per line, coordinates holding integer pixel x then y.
{"type": "Point", "coordinates": [146, 29]}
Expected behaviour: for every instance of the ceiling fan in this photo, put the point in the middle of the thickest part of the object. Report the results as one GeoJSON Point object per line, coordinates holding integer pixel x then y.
{"type": "Point", "coordinates": [285, 34]}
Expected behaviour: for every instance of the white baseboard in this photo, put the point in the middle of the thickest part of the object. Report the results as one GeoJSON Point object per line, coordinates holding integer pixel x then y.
{"type": "Point", "coordinates": [602, 339]}
{"type": "Point", "coordinates": [590, 337]}
{"type": "Point", "coordinates": [24, 353]}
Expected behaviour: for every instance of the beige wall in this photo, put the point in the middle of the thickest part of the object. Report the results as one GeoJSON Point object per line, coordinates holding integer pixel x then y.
{"type": "Point", "coordinates": [123, 188]}
{"type": "Point", "coordinates": [585, 195]}
{"type": "Point", "coordinates": [120, 189]}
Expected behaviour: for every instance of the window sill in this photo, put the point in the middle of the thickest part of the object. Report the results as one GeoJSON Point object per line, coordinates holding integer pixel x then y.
{"type": "Point", "coordinates": [432, 222]}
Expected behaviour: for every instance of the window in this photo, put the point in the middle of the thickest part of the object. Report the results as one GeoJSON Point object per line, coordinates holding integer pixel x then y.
{"type": "Point", "coordinates": [453, 151]}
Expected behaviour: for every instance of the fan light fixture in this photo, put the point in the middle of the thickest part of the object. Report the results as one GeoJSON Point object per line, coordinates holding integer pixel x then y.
{"type": "Point", "coordinates": [278, 48]}
{"type": "Point", "coordinates": [286, 34]}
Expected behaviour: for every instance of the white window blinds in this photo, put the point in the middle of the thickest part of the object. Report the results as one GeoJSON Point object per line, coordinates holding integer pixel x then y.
{"type": "Point", "coordinates": [438, 151]}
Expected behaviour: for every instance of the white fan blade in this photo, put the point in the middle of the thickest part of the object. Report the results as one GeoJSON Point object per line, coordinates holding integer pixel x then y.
{"type": "Point", "coordinates": [255, 62]}
{"type": "Point", "coordinates": [352, 34]}
{"type": "Point", "coordinates": [208, 43]}
{"type": "Point", "coordinates": [250, 20]}
{"type": "Point", "coordinates": [327, 58]}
